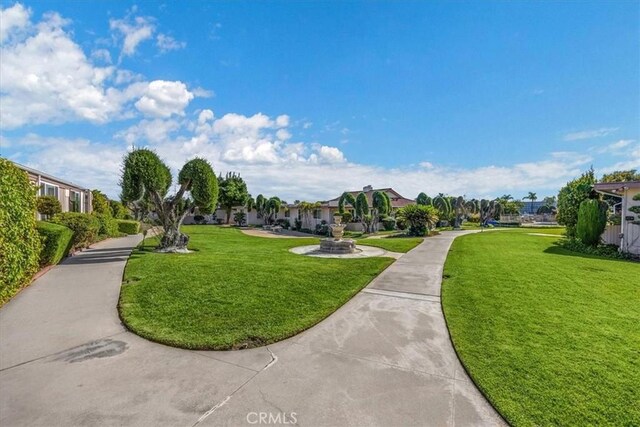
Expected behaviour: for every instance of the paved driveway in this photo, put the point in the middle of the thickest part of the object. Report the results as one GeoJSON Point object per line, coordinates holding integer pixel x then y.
{"type": "Point", "coordinates": [384, 358]}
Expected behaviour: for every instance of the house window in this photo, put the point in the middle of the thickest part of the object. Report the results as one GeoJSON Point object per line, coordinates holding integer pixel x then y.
{"type": "Point", "coordinates": [74, 201]}
{"type": "Point", "coordinates": [317, 213]}
{"type": "Point", "coordinates": [47, 189]}
{"type": "Point", "coordinates": [287, 213]}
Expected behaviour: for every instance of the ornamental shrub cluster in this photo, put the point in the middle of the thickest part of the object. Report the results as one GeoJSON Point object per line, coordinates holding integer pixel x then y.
{"type": "Point", "coordinates": [569, 199]}
{"type": "Point", "coordinates": [48, 205]}
{"type": "Point", "coordinates": [592, 220]}
{"type": "Point", "coordinates": [19, 241]}
{"type": "Point", "coordinates": [85, 227]}
{"type": "Point", "coordinates": [57, 241]}
{"type": "Point", "coordinates": [417, 218]}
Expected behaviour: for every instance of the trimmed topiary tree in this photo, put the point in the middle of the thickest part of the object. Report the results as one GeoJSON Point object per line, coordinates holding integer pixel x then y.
{"type": "Point", "coordinates": [346, 198]}
{"type": "Point", "coordinates": [592, 220]}
{"type": "Point", "coordinates": [145, 175]}
{"type": "Point", "coordinates": [569, 199]}
{"type": "Point", "coordinates": [20, 243]}
{"type": "Point", "coordinates": [423, 199]}
{"type": "Point", "coordinates": [48, 206]}
{"type": "Point", "coordinates": [233, 192]}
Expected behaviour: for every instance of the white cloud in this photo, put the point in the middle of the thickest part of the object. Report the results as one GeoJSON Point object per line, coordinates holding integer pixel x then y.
{"type": "Point", "coordinates": [282, 121]}
{"type": "Point", "coordinates": [283, 134]}
{"type": "Point", "coordinates": [589, 134]}
{"type": "Point", "coordinates": [617, 146]}
{"type": "Point", "coordinates": [202, 92]}
{"type": "Point", "coordinates": [164, 99]}
{"type": "Point", "coordinates": [167, 43]}
{"type": "Point", "coordinates": [46, 78]}
{"type": "Point", "coordinates": [330, 154]}
{"type": "Point", "coordinates": [13, 18]}
{"type": "Point", "coordinates": [132, 31]}
{"type": "Point", "coordinates": [102, 55]}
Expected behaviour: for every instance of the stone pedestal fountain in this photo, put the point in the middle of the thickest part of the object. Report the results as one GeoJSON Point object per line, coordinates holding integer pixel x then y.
{"type": "Point", "coordinates": [336, 244]}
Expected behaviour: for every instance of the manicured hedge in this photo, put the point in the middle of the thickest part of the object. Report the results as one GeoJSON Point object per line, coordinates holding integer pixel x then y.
{"type": "Point", "coordinates": [108, 226]}
{"type": "Point", "coordinates": [19, 241]}
{"type": "Point", "coordinates": [57, 240]}
{"type": "Point", "coordinates": [128, 227]}
{"type": "Point", "coordinates": [85, 227]}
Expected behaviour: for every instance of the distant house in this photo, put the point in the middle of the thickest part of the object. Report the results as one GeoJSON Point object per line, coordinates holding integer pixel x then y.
{"type": "Point", "coordinates": [627, 234]}
{"type": "Point", "coordinates": [72, 197]}
{"type": "Point", "coordinates": [324, 212]}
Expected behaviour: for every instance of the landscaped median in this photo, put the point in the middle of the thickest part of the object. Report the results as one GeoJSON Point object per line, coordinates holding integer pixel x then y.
{"type": "Point", "coordinates": [237, 291]}
{"type": "Point", "coordinates": [550, 336]}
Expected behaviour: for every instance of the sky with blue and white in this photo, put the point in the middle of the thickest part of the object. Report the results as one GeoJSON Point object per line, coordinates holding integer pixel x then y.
{"type": "Point", "coordinates": [308, 99]}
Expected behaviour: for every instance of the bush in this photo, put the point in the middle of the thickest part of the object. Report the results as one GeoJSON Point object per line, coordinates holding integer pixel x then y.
{"type": "Point", "coordinates": [389, 223]}
{"type": "Point", "coordinates": [592, 220]}
{"type": "Point", "coordinates": [347, 217]}
{"type": "Point", "coordinates": [569, 199]}
{"type": "Point", "coordinates": [198, 219]}
{"type": "Point", "coordinates": [48, 205]}
{"type": "Point", "coordinates": [100, 203]}
{"type": "Point", "coordinates": [118, 210]}
{"type": "Point", "coordinates": [322, 229]}
{"type": "Point", "coordinates": [19, 241]}
{"type": "Point", "coordinates": [107, 225]}
{"type": "Point", "coordinates": [85, 227]}
{"type": "Point", "coordinates": [240, 218]}
{"type": "Point", "coordinates": [127, 226]}
{"type": "Point", "coordinates": [297, 224]}
{"type": "Point", "coordinates": [57, 240]}
{"type": "Point", "coordinates": [418, 218]}
{"type": "Point", "coordinates": [474, 218]}
{"type": "Point", "coordinates": [607, 251]}
{"type": "Point", "coordinates": [284, 223]}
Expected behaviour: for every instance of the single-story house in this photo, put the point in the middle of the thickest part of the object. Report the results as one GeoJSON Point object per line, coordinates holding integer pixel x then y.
{"type": "Point", "coordinates": [72, 197]}
{"type": "Point", "coordinates": [627, 234]}
{"type": "Point", "coordinates": [324, 211]}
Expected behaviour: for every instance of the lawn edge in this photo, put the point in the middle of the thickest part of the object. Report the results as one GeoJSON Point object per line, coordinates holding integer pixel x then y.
{"type": "Point", "coordinates": [455, 349]}
{"type": "Point", "coordinates": [169, 343]}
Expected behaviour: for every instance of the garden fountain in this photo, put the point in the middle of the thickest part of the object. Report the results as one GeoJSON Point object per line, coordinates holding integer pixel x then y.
{"type": "Point", "coordinates": [336, 244]}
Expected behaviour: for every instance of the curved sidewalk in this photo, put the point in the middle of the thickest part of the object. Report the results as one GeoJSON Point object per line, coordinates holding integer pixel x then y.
{"type": "Point", "coordinates": [384, 358]}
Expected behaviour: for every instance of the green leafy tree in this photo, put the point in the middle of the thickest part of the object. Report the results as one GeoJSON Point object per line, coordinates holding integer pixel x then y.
{"type": "Point", "coordinates": [489, 209]}
{"type": "Point", "coordinates": [144, 174]}
{"type": "Point", "coordinates": [569, 199]}
{"type": "Point", "coordinates": [443, 205]}
{"type": "Point", "coordinates": [267, 209]}
{"type": "Point", "coordinates": [346, 198]}
{"type": "Point", "coordinates": [460, 211]}
{"type": "Point", "coordinates": [118, 210]}
{"type": "Point", "coordinates": [48, 206]}
{"type": "Point", "coordinates": [362, 211]}
{"type": "Point", "coordinates": [306, 209]}
{"type": "Point", "coordinates": [240, 218]}
{"type": "Point", "coordinates": [423, 199]}
{"type": "Point", "coordinates": [380, 207]}
{"type": "Point", "coordinates": [233, 192]}
{"type": "Point", "coordinates": [592, 220]}
{"type": "Point", "coordinates": [621, 176]}
{"type": "Point", "coordinates": [419, 219]}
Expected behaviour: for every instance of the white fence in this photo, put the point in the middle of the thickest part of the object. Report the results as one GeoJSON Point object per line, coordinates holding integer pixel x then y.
{"type": "Point", "coordinates": [611, 235]}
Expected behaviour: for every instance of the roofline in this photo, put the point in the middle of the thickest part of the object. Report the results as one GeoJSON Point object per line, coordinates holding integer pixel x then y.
{"type": "Point", "coordinates": [48, 176]}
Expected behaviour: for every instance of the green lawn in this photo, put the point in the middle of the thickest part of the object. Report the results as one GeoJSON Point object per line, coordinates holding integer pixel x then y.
{"type": "Point", "coordinates": [552, 337]}
{"type": "Point", "coordinates": [235, 290]}
{"type": "Point", "coordinates": [393, 244]}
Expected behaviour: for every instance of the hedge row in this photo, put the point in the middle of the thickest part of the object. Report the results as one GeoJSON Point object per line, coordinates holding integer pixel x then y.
{"type": "Point", "coordinates": [128, 227]}
{"type": "Point", "coordinates": [19, 241]}
{"type": "Point", "coordinates": [57, 240]}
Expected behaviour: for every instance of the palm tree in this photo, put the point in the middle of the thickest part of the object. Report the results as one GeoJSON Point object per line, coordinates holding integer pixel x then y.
{"type": "Point", "coordinates": [533, 197]}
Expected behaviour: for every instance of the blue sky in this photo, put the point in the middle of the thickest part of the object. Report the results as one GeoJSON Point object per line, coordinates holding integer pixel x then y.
{"type": "Point", "coordinates": [308, 99]}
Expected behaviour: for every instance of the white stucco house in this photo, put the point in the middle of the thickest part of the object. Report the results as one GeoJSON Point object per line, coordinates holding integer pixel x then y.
{"type": "Point", "coordinates": [627, 234]}
{"type": "Point", "coordinates": [324, 212]}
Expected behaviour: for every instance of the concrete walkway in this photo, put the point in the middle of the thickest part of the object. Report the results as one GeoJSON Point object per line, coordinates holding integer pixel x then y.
{"type": "Point", "coordinates": [384, 358]}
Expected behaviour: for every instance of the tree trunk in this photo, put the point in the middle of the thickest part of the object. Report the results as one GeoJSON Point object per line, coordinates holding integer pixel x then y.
{"type": "Point", "coordinates": [228, 215]}
{"type": "Point", "coordinates": [173, 239]}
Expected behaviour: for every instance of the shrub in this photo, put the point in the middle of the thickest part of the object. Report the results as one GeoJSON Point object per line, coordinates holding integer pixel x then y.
{"type": "Point", "coordinates": [389, 223]}
{"type": "Point", "coordinates": [127, 226]}
{"type": "Point", "coordinates": [592, 220]}
{"type": "Point", "coordinates": [240, 218]}
{"type": "Point", "coordinates": [297, 224]}
{"type": "Point", "coordinates": [608, 251]}
{"type": "Point", "coordinates": [474, 218]}
{"type": "Point", "coordinates": [107, 225]}
{"type": "Point", "coordinates": [198, 219]}
{"type": "Point", "coordinates": [48, 205]}
{"type": "Point", "coordinates": [57, 240]}
{"type": "Point", "coordinates": [569, 199]}
{"type": "Point", "coordinates": [323, 229]}
{"type": "Point", "coordinates": [19, 241]}
{"type": "Point", "coordinates": [85, 227]}
{"type": "Point", "coordinates": [284, 223]}
{"type": "Point", "coordinates": [347, 217]}
{"type": "Point", "coordinates": [418, 218]}
{"type": "Point", "coordinates": [118, 210]}
{"type": "Point", "coordinates": [100, 203]}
